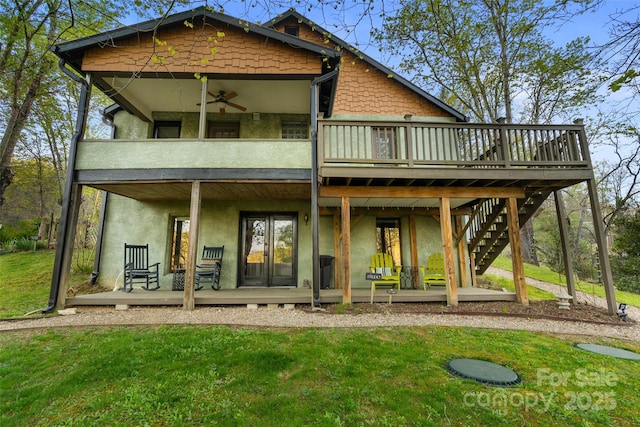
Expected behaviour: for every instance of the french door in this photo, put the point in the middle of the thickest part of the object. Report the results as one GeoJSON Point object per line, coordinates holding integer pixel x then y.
{"type": "Point", "coordinates": [269, 251]}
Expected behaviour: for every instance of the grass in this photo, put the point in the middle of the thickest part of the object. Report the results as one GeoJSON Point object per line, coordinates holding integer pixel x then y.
{"type": "Point", "coordinates": [215, 375]}
{"type": "Point", "coordinates": [546, 275]}
{"type": "Point", "coordinates": [26, 277]}
{"type": "Point", "coordinates": [212, 375]}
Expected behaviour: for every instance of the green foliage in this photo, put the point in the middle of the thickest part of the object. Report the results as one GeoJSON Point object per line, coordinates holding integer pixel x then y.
{"type": "Point", "coordinates": [482, 55]}
{"type": "Point", "coordinates": [625, 79]}
{"type": "Point", "coordinates": [625, 256]}
{"type": "Point", "coordinates": [17, 231]}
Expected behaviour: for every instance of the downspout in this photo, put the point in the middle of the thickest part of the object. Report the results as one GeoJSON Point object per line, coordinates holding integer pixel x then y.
{"type": "Point", "coordinates": [65, 215]}
{"type": "Point", "coordinates": [98, 257]}
{"type": "Point", "coordinates": [314, 183]}
{"type": "Point", "coordinates": [103, 212]}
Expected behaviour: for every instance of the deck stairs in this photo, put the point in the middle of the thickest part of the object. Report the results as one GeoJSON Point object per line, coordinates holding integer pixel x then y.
{"type": "Point", "coordinates": [489, 230]}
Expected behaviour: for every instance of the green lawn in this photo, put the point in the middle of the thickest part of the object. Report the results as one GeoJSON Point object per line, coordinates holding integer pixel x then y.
{"type": "Point", "coordinates": [26, 277]}
{"type": "Point", "coordinates": [215, 375]}
{"type": "Point", "coordinates": [546, 275]}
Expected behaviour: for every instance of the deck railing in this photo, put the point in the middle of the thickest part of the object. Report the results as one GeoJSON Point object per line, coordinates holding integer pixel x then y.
{"type": "Point", "coordinates": [416, 144]}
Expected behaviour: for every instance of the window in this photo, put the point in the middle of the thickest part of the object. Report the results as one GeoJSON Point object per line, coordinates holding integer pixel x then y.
{"type": "Point", "coordinates": [388, 238]}
{"type": "Point", "coordinates": [224, 130]}
{"type": "Point", "coordinates": [179, 243]}
{"type": "Point", "coordinates": [294, 130]}
{"type": "Point", "coordinates": [166, 130]}
{"type": "Point", "coordinates": [292, 30]}
{"type": "Point", "coordinates": [384, 143]}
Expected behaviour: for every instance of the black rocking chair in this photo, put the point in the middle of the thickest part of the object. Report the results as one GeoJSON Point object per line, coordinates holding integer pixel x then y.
{"type": "Point", "coordinates": [138, 270]}
{"type": "Point", "coordinates": [208, 271]}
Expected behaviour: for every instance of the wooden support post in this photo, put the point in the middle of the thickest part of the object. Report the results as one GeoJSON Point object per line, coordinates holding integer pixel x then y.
{"type": "Point", "coordinates": [516, 251]}
{"type": "Point", "coordinates": [447, 246]}
{"type": "Point", "coordinates": [202, 123]}
{"type": "Point", "coordinates": [189, 301]}
{"type": "Point", "coordinates": [566, 247]}
{"type": "Point", "coordinates": [461, 242]}
{"type": "Point", "coordinates": [472, 263]}
{"type": "Point", "coordinates": [69, 238]}
{"type": "Point", "coordinates": [337, 266]}
{"type": "Point", "coordinates": [413, 243]}
{"type": "Point", "coordinates": [346, 251]}
{"type": "Point", "coordinates": [603, 253]}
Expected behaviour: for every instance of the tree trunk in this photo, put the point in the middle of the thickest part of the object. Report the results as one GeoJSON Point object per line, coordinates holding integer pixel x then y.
{"type": "Point", "coordinates": [529, 254]}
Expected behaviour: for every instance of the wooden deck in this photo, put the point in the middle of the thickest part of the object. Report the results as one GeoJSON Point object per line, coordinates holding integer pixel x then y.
{"type": "Point", "coordinates": [244, 296]}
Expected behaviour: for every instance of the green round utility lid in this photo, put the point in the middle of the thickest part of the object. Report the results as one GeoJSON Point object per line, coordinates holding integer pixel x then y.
{"type": "Point", "coordinates": [610, 351]}
{"type": "Point", "coordinates": [484, 372]}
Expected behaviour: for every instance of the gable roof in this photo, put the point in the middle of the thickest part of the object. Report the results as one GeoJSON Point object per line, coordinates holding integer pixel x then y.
{"type": "Point", "coordinates": [71, 52]}
{"type": "Point", "coordinates": [292, 13]}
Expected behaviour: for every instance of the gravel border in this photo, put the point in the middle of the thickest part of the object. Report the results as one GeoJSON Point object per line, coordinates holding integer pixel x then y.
{"type": "Point", "coordinates": [299, 318]}
{"type": "Point", "coordinates": [306, 318]}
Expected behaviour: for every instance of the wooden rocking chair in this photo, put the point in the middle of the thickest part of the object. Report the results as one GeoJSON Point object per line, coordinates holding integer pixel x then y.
{"type": "Point", "coordinates": [382, 263]}
{"type": "Point", "coordinates": [138, 270]}
{"type": "Point", "coordinates": [208, 271]}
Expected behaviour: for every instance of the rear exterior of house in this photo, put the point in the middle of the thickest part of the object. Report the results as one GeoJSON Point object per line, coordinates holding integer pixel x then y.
{"type": "Point", "coordinates": [300, 155]}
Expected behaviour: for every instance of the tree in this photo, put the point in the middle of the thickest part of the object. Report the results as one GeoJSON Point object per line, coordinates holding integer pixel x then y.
{"type": "Point", "coordinates": [625, 261]}
{"type": "Point", "coordinates": [623, 50]}
{"type": "Point", "coordinates": [28, 28]}
{"type": "Point", "coordinates": [482, 54]}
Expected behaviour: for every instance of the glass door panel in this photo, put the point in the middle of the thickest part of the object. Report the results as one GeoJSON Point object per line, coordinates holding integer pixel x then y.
{"type": "Point", "coordinates": [269, 256]}
{"type": "Point", "coordinates": [255, 255]}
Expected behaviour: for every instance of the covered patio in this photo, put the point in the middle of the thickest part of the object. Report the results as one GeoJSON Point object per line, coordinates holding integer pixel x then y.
{"type": "Point", "coordinates": [242, 296]}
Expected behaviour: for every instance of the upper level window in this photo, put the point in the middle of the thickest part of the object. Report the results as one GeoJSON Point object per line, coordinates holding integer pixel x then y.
{"type": "Point", "coordinates": [293, 30]}
{"type": "Point", "coordinates": [166, 129]}
{"type": "Point", "coordinates": [224, 130]}
{"type": "Point", "coordinates": [295, 130]}
{"type": "Point", "coordinates": [384, 143]}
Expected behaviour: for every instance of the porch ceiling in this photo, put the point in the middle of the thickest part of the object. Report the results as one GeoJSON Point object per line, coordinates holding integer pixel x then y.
{"type": "Point", "coordinates": [210, 191]}
{"type": "Point", "coordinates": [168, 94]}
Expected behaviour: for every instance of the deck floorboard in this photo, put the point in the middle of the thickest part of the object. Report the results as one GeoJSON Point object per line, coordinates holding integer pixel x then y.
{"type": "Point", "coordinates": [281, 296]}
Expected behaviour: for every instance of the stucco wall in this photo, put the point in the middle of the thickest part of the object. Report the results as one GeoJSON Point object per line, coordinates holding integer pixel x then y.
{"type": "Point", "coordinates": [219, 226]}
{"type": "Point", "coordinates": [268, 127]}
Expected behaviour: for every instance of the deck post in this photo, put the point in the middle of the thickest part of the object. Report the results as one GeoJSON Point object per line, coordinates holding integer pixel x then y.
{"type": "Point", "coordinates": [346, 250]}
{"type": "Point", "coordinates": [413, 243]}
{"type": "Point", "coordinates": [189, 301]}
{"type": "Point", "coordinates": [603, 253]}
{"type": "Point", "coordinates": [447, 246]}
{"type": "Point", "coordinates": [337, 259]}
{"type": "Point", "coordinates": [461, 243]}
{"type": "Point", "coordinates": [564, 242]}
{"type": "Point", "coordinates": [516, 251]}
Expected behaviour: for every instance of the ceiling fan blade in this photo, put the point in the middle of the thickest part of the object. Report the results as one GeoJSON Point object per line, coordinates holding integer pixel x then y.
{"type": "Point", "coordinates": [222, 111]}
{"type": "Point", "coordinates": [236, 106]}
{"type": "Point", "coordinates": [228, 96]}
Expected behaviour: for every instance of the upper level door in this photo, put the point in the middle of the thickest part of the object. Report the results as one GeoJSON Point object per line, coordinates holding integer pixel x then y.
{"type": "Point", "coordinates": [268, 249]}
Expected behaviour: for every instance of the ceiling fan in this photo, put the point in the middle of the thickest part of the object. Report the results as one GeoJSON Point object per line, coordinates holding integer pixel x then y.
{"type": "Point", "coordinates": [222, 99]}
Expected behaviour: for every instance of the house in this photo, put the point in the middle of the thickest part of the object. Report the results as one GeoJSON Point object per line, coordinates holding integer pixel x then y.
{"type": "Point", "coordinates": [299, 154]}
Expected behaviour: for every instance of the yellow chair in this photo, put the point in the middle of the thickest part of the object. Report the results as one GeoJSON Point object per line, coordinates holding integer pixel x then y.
{"type": "Point", "coordinates": [433, 272]}
{"type": "Point", "coordinates": [382, 263]}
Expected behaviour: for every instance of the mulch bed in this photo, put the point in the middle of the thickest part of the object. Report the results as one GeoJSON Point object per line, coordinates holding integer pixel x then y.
{"type": "Point", "coordinates": [535, 310]}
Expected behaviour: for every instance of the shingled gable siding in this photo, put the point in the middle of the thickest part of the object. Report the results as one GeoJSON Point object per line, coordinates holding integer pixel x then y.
{"type": "Point", "coordinates": [363, 89]}
{"type": "Point", "coordinates": [237, 53]}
